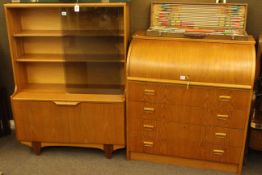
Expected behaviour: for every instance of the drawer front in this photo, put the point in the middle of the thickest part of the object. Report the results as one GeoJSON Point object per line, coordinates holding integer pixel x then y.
{"type": "Point", "coordinates": [165, 112]}
{"type": "Point", "coordinates": [236, 119]}
{"type": "Point", "coordinates": [146, 129]}
{"type": "Point", "coordinates": [145, 110]}
{"type": "Point", "coordinates": [162, 138]}
{"type": "Point", "coordinates": [224, 136]}
{"type": "Point", "coordinates": [69, 122]}
{"type": "Point", "coordinates": [147, 92]}
{"type": "Point", "coordinates": [227, 99]}
{"type": "Point", "coordinates": [143, 145]}
{"type": "Point", "coordinates": [168, 94]}
{"type": "Point", "coordinates": [186, 141]}
{"type": "Point", "coordinates": [222, 154]}
{"type": "Point", "coordinates": [186, 114]}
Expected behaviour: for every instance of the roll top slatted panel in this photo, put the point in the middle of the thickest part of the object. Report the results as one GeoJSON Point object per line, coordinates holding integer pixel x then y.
{"type": "Point", "coordinates": [218, 63]}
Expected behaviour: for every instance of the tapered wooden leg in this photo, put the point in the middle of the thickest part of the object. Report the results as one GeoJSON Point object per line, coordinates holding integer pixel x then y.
{"type": "Point", "coordinates": [108, 149]}
{"type": "Point", "coordinates": [36, 147]}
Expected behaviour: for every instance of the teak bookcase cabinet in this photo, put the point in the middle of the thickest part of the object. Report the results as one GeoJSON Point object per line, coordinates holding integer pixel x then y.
{"type": "Point", "coordinates": [189, 100]}
{"type": "Point", "coordinates": [69, 71]}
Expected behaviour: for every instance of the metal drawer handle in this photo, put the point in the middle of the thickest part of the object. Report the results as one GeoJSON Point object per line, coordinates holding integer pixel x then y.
{"type": "Point", "coordinates": [148, 144]}
{"type": "Point", "coordinates": [225, 98]}
{"type": "Point", "coordinates": [149, 126]}
{"type": "Point", "coordinates": [218, 152]}
{"type": "Point", "coordinates": [221, 135]}
{"type": "Point", "coordinates": [222, 117]}
{"type": "Point", "coordinates": [149, 109]}
{"type": "Point", "coordinates": [149, 92]}
{"type": "Point", "coordinates": [68, 103]}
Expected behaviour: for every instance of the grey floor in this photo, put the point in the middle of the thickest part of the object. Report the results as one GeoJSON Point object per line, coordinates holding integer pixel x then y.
{"type": "Point", "coordinates": [16, 159]}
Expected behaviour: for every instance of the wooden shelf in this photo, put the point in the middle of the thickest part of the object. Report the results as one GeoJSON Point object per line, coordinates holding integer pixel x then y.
{"type": "Point", "coordinates": [69, 33]}
{"type": "Point", "coordinates": [102, 58]}
{"type": "Point", "coordinates": [78, 93]}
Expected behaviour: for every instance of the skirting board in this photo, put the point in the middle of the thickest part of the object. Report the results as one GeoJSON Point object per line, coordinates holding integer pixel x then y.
{"type": "Point", "coordinates": [185, 162]}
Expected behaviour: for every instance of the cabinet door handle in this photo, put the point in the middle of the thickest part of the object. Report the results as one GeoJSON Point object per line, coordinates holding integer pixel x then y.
{"type": "Point", "coordinates": [218, 152]}
{"type": "Point", "coordinates": [221, 135]}
{"type": "Point", "coordinates": [146, 109]}
{"type": "Point", "coordinates": [149, 92]}
{"type": "Point", "coordinates": [148, 144]}
{"type": "Point", "coordinates": [222, 117]}
{"type": "Point", "coordinates": [67, 103]}
{"type": "Point", "coordinates": [149, 126]}
{"type": "Point", "coordinates": [225, 97]}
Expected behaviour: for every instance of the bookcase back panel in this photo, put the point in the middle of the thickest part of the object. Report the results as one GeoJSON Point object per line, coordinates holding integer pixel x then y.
{"type": "Point", "coordinates": [45, 73]}
{"type": "Point", "coordinates": [40, 19]}
{"type": "Point", "coordinates": [88, 18]}
{"type": "Point", "coordinates": [89, 46]}
{"type": "Point", "coordinates": [93, 19]}
{"type": "Point", "coordinates": [75, 73]}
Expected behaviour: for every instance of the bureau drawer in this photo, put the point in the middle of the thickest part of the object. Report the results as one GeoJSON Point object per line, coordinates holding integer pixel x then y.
{"type": "Point", "coordinates": [69, 122]}
{"type": "Point", "coordinates": [145, 110]}
{"type": "Point", "coordinates": [230, 99]}
{"type": "Point", "coordinates": [227, 99]}
{"type": "Point", "coordinates": [224, 136]}
{"type": "Point", "coordinates": [146, 129]}
{"type": "Point", "coordinates": [236, 119]}
{"type": "Point", "coordinates": [143, 145]}
{"type": "Point", "coordinates": [222, 154]}
{"type": "Point", "coordinates": [147, 92]}
{"type": "Point", "coordinates": [168, 94]}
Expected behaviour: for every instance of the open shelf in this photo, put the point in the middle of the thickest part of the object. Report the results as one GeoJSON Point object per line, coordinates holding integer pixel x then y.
{"type": "Point", "coordinates": [61, 92]}
{"type": "Point", "coordinates": [103, 58]}
{"type": "Point", "coordinates": [72, 33]}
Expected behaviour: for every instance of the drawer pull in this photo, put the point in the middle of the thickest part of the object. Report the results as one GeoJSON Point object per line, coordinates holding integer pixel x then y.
{"type": "Point", "coordinates": [68, 103]}
{"type": "Point", "coordinates": [149, 126]}
{"type": "Point", "coordinates": [149, 109]}
{"type": "Point", "coordinates": [222, 117]}
{"type": "Point", "coordinates": [149, 92]}
{"type": "Point", "coordinates": [218, 152]}
{"type": "Point", "coordinates": [225, 98]}
{"type": "Point", "coordinates": [221, 135]}
{"type": "Point", "coordinates": [148, 144]}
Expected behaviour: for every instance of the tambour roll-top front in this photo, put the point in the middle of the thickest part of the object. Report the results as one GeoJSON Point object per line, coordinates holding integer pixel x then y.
{"type": "Point", "coordinates": [203, 62]}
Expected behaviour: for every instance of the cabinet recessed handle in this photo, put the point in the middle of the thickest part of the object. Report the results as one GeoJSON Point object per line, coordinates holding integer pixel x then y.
{"type": "Point", "coordinates": [149, 92]}
{"type": "Point", "coordinates": [222, 117]}
{"type": "Point", "coordinates": [148, 144]}
{"type": "Point", "coordinates": [67, 103]}
{"type": "Point", "coordinates": [225, 97]}
{"type": "Point", "coordinates": [149, 126]}
{"type": "Point", "coordinates": [218, 152]}
{"type": "Point", "coordinates": [221, 135]}
{"type": "Point", "coordinates": [146, 109]}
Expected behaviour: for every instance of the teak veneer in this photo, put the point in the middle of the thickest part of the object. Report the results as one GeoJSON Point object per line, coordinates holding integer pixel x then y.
{"type": "Point", "coordinates": [69, 72]}
{"type": "Point", "coordinates": [188, 100]}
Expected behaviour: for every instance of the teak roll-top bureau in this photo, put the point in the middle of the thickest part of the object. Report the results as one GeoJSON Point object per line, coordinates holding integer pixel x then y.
{"type": "Point", "coordinates": [188, 100]}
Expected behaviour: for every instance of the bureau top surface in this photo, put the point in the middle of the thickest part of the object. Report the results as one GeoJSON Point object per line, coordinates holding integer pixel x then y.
{"type": "Point", "coordinates": [142, 35]}
{"type": "Point", "coordinates": [223, 63]}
